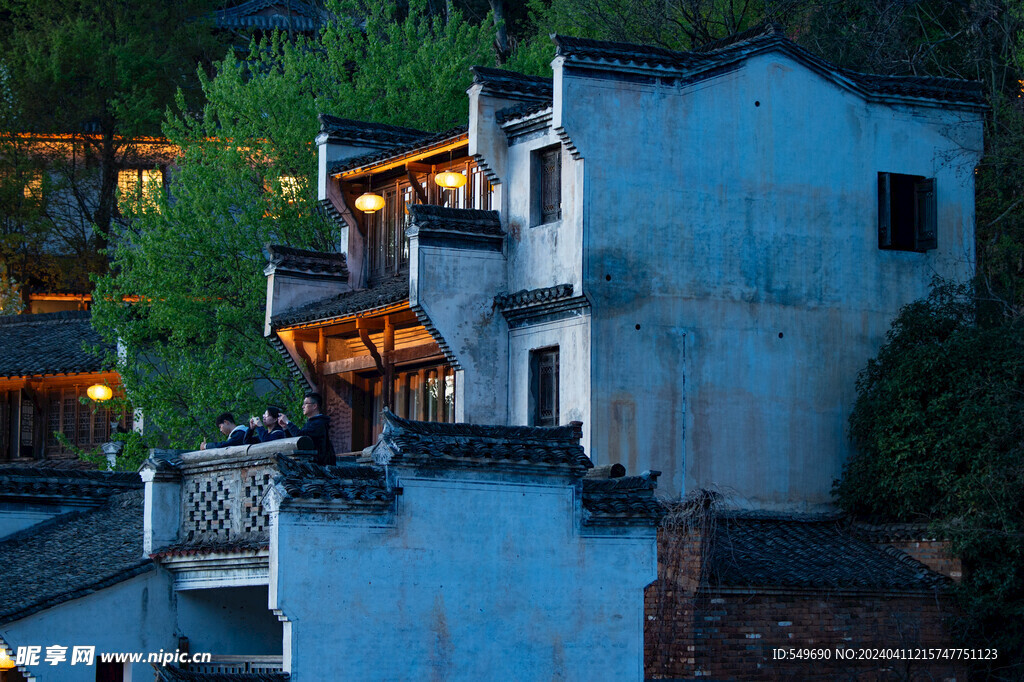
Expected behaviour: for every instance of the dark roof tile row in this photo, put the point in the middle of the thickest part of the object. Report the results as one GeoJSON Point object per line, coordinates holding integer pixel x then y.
{"type": "Point", "coordinates": [72, 556]}
{"type": "Point", "coordinates": [512, 84]}
{"type": "Point", "coordinates": [529, 297]}
{"type": "Point", "coordinates": [388, 292]}
{"type": "Point", "coordinates": [171, 673]}
{"type": "Point", "coordinates": [49, 343]}
{"type": "Point", "coordinates": [346, 482]}
{"type": "Point", "coordinates": [313, 262]}
{"type": "Point", "coordinates": [422, 143]}
{"type": "Point", "coordinates": [434, 443]}
{"type": "Point", "coordinates": [346, 130]}
{"type": "Point", "coordinates": [469, 220]}
{"type": "Point", "coordinates": [808, 552]}
{"type": "Point", "coordinates": [32, 481]}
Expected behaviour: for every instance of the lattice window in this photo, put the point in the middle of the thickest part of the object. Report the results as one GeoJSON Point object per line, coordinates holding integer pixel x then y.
{"type": "Point", "coordinates": [548, 189]}
{"type": "Point", "coordinates": [209, 509]}
{"type": "Point", "coordinates": [257, 519]}
{"type": "Point", "coordinates": [544, 387]}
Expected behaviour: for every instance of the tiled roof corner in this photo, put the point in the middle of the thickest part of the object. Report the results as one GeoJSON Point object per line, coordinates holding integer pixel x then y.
{"type": "Point", "coordinates": [302, 260]}
{"type": "Point", "coordinates": [389, 292]}
{"type": "Point", "coordinates": [819, 552]}
{"type": "Point", "coordinates": [892, 532]}
{"type": "Point", "coordinates": [252, 543]}
{"type": "Point", "coordinates": [761, 30]}
{"type": "Point", "coordinates": [49, 343]}
{"type": "Point", "coordinates": [513, 85]}
{"type": "Point", "coordinates": [435, 444]}
{"type": "Point", "coordinates": [172, 673]}
{"type": "Point", "coordinates": [354, 484]}
{"type": "Point", "coordinates": [425, 217]}
{"type": "Point", "coordinates": [72, 556]}
{"type": "Point", "coordinates": [345, 130]}
{"type": "Point", "coordinates": [419, 144]}
{"type": "Point", "coordinates": [297, 374]}
{"type": "Point", "coordinates": [625, 500]}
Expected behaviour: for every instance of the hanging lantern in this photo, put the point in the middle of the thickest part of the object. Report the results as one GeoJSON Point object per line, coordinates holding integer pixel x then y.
{"type": "Point", "coordinates": [450, 180]}
{"type": "Point", "coordinates": [368, 202]}
{"type": "Point", "coordinates": [5, 660]}
{"type": "Point", "coordinates": [99, 392]}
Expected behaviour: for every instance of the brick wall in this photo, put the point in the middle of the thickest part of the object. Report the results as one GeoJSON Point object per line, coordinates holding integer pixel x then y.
{"type": "Point", "coordinates": [697, 633]}
{"type": "Point", "coordinates": [934, 554]}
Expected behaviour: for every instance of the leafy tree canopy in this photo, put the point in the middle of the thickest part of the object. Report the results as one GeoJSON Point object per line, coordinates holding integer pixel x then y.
{"type": "Point", "coordinates": [194, 338]}
{"type": "Point", "coordinates": [939, 427]}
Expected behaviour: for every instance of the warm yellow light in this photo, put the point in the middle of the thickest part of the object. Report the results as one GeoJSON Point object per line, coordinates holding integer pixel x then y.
{"type": "Point", "coordinates": [5, 661]}
{"type": "Point", "coordinates": [450, 180]}
{"type": "Point", "coordinates": [99, 392]}
{"type": "Point", "coordinates": [369, 202]}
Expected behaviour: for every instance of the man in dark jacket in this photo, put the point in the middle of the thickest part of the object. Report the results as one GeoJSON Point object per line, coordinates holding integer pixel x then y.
{"type": "Point", "coordinates": [318, 427]}
{"type": "Point", "coordinates": [226, 424]}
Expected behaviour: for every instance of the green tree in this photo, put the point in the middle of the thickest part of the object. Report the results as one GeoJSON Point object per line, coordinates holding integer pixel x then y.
{"type": "Point", "coordinates": [194, 263]}
{"type": "Point", "coordinates": [98, 76]}
{"type": "Point", "coordinates": [939, 435]}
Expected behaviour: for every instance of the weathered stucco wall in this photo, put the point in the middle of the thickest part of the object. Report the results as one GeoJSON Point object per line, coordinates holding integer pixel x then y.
{"type": "Point", "coordinates": [455, 288]}
{"type": "Point", "coordinates": [732, 262]}
{"type": "Point", "coordinates": [474, 577]}
{"type": "Point", "coordinates": [229, 621]}
{"type": "Point", "coordinates": [133, 616]}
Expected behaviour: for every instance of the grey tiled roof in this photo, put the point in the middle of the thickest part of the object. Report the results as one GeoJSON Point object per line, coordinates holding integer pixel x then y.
{"type": "Point", "coordinates": [391, 291]}
{"type": "Point", "coordinates": [252, 542]}
{"type": "Point", "coordinates": [626, 499]}
{"type": "Point", "coordinates": [72, 556]}
{"type": "Point", "coordinates": [299, 16]}
{"type": "Point", "coordinates": [473, 221]}
{"type": "Point", "coordinates": [48, 343]}
{"type": "Point", "coordinates": [306, 261]}
{"type": "Point", "coordinates": [510, 83]}
{"type": "Point", "coordinates": [892, 532]}
{"type": "Point", "coordinates": [346, 130]}
{"type": "Point", "coordinates": [438, 444]}
{"type": "Point", "coordinates": [172, 673]}
{"type": "Point", "coordinates": [808, 552]}
{"type": "Point", "coordinates": [528, 297]}
{"type": "Point", "coordinates": [353, 483]}
{"type": "Point", "coordinates": [521, 110]}
{"type": "Point", "coordinates": [735, 48]}
{"type": "Point", "coordinates": [17, 481]}
{"type": "Point", "coordinates": [411, 147]}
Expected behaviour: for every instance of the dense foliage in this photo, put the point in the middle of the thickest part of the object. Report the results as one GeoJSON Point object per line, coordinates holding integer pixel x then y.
{"type": "Point", "coordinates": [82, 83]}
{"type": "Point", "coordinates": [939, 427]}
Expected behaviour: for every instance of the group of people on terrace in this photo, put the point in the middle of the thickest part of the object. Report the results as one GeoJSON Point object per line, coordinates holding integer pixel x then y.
{"type": "Point", "coordinates": [275, 425]}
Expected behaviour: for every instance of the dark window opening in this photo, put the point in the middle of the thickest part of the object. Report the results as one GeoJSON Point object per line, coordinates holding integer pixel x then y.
{"type": "Point", "coordinates": [907, 217]}
{"type": "Point", "coordinates": [547, 191]}
{"type": "Point", "coordinates": [544, 387]}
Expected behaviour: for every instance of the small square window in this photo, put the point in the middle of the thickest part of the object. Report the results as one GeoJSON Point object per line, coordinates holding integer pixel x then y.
{"type": "Point", "coordinates": [544, 387]}
{"type": "Point", "coordinates": [547, 186]}
{"type": "Point", "coordinates": [906, 212]}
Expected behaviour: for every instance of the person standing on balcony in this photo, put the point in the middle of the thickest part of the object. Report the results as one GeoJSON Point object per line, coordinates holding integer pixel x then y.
{"type": "Point", "coordinates": [226, 424]}
{"type": "Point", "coordinates": [318, 427]}
{"type": "Point", "coordinates": [270, 429]}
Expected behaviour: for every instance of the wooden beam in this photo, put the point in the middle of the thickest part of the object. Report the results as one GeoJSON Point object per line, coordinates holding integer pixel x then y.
{"type": "Point", "coordinates": [398, 357]}
{"type": "Point", "coordinates": [374, 324]}
{"type": "Point", "coordinates": [420, 194]}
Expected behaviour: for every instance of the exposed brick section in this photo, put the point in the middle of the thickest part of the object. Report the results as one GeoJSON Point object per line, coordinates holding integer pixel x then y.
{"type": "Point", "coordinates": [697, 630]}
{"type": "Point", "coordinates": [934, 554]}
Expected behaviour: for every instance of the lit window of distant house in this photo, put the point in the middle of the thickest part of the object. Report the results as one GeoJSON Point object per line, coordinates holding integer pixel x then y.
{"type": "Point", "coordinates": [544, 387]}
{"type": "Point", "coordinates": [33, 189]}
{"type": "Point", "coordinates": [139, 185]}
{"type": "Point", "coordinates": [906, 212]}
{"type": "Point", "coordinates": [291, 186]}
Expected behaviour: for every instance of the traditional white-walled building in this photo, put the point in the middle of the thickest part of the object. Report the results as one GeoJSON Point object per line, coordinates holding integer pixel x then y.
{"type": "Point", "coordinates": [673, 261]}
{"type": "Point", "coordinates": [691, 253]}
